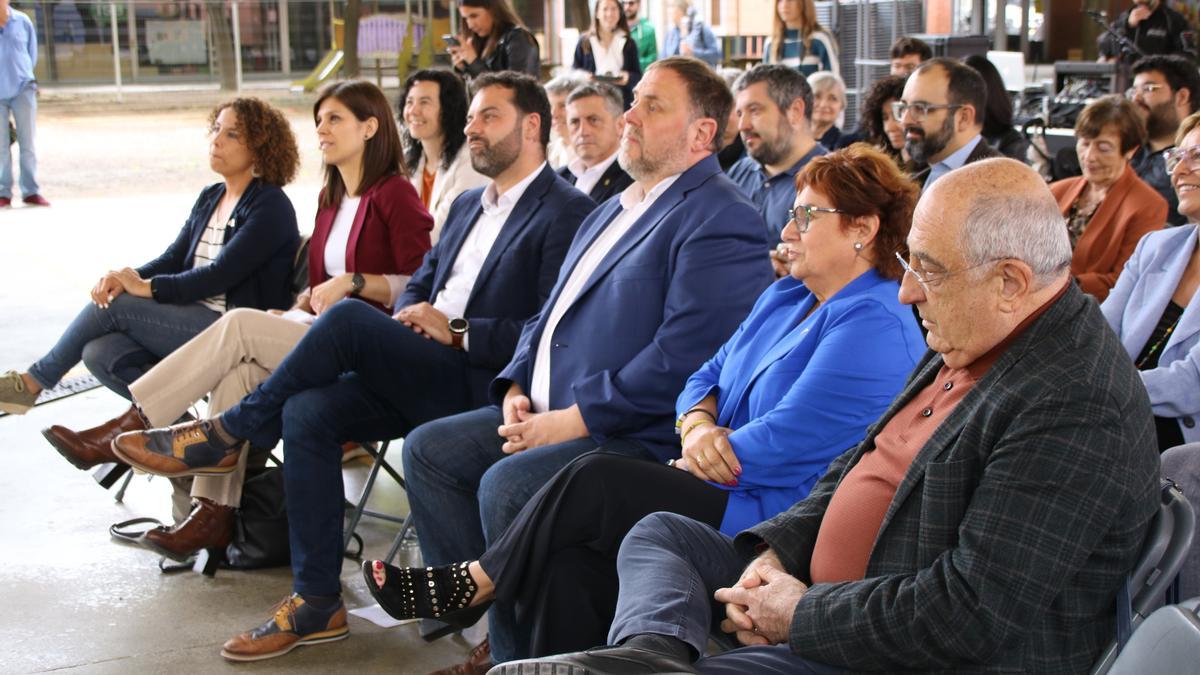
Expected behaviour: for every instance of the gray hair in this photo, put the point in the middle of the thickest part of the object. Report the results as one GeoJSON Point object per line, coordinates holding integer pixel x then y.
{"type": "Point", "coordinates": [613, 100]}
{"type": "Point", "coordinates": [784, 85]}
{"type": "Point", "coordinates": [730, 75]}
{"type": "Point", "coordinates": [1027, 227]}
{"type": "Point", "coordinates": [825, 79]}
{"type": "Point", "coordinates": [564, 83]}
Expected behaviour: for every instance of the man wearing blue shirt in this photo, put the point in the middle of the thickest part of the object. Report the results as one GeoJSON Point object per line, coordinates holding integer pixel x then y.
{"type": "Point", "coordinates": [18, 98]}
{"type": "Point", "coordinates": [774, 109]}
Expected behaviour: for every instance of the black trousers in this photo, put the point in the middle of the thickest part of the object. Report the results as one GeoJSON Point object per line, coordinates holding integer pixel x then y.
{"type": "Point", "coordinates": [555, 567]}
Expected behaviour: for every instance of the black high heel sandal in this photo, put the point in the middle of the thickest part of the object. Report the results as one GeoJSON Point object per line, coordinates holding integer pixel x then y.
{"type": "Point", "coordinates": [442, 593]}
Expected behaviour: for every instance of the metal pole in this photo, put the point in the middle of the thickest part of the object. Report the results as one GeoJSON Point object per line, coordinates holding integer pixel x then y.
{"type": "Point", "coordinates": [1024, 42]}
{"type": "Point", "coordinates": [112, 9]}
{"type": "Point", "coordinates": [131, 26]}
{"type": "Point", "coordinates": [285, 38]}
{"type": "Point", "coordinates": [237, 45]}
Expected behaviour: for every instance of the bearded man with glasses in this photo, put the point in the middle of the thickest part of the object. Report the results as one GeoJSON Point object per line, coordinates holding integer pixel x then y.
{"type": "Point", "coordinates": [1165, 90]}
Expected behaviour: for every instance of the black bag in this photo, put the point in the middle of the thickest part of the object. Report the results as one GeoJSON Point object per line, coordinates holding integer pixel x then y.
{"type": "Point", "coordinates": [260, 525]}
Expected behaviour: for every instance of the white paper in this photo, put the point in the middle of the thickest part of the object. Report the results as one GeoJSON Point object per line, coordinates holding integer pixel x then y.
{"type": "Point", "coordinates": [299, 316]}
{"type": "Point", "coordinates": [377, 616]}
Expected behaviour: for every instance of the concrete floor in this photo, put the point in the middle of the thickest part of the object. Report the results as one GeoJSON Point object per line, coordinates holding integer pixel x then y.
{"type": "Point", "coordinates": [73, 599]}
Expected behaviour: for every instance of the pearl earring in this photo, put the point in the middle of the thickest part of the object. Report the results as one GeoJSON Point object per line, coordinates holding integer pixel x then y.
{"type": "Point", "coordinates": [858, 246]}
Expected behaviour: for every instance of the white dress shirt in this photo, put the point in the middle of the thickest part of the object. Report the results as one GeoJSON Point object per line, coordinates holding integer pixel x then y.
{"type": "Point", "coordinates": [451, 299]}
{"type": "Point", "coordinates": [585, 178]}
{"type": "Point", "coordinates": [610, 61]}
{"type": "Point", "coordinates": [634, 203]}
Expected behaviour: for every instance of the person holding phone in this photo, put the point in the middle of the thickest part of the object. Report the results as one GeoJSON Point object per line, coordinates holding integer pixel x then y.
{"type": "Point", "coordinates": [607, 52]}
{"type": "Point", "coordinates": [495, 39]}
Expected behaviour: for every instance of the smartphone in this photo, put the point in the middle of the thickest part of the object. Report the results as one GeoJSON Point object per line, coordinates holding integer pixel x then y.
{"type": "Point", "coordinates": [451, 41]}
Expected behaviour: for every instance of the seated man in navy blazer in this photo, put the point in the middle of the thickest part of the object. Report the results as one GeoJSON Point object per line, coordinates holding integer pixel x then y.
{"type": "Point", "coordinates": [358, 375]}
{"type": "Point", "coordinates": [595, 121]}
{"type": "Point", "coordinates": [654, 282]}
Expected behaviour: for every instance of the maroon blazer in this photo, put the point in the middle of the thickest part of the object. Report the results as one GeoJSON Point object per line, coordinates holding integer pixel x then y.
{"type": "Point", "coordinates": [390, 234]}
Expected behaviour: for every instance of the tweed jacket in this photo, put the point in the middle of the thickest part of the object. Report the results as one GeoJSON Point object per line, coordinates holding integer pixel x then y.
{"type": "Point", "coordinates": [1013, 528]}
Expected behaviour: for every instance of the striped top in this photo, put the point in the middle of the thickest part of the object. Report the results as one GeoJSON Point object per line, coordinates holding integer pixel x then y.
{"type": "Point", "coordinates": [212, 240]}
{"type": "Point", "coordinates": [820, 55]}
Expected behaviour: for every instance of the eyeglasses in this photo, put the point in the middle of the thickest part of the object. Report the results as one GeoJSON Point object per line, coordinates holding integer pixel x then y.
{"type": "Point", "coordinates": [1176, 156]}
{"type": "Point", "coordinates": [929, 280]}
{"type": "Point", "coordinates": [919, 109]}
{"type": "Point", "coordinates": [1144, 89]}
{"type": "Point", "coordinates": [804, 216]}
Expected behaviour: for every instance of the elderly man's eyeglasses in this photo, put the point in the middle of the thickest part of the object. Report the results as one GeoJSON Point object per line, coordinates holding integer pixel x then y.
{"type": "Point", "coordinates": [928, 280]}
{"type": "Point", "coordinates": [1145, 89]}
{"type": "Point", "coordinates": [1176, 156]}
{"type": "Point", "coordinates": [803, 216]}
{"type": "Point", "coordinates": [919, 109]}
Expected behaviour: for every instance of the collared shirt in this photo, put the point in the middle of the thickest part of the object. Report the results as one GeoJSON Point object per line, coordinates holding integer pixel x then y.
{"type": "Point", "coordinates": [955, 160]}
{"type": "Point", "coordinates": [634, 204]}
{"type": "Point", "coordinates": [585, 178]}
{"type": "Point", "coordinates": [773, 195]}
{"type": "Point", "coordinates": [451, 300]}
{"type": "Point", "coordinates": [18, 54]}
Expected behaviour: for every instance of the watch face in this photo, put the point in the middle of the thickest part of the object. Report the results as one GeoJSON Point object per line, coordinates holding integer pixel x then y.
{"type": "Point", "coordinates": [458, 325]}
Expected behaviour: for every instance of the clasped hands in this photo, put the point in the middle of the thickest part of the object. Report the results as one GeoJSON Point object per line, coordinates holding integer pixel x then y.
{"type": "Point", "coordinates": [524, 429]}
{"type": "Point", "coordinates": [707, 453]}
{"type": "Point", "coordinates": [116, 282]}
{"type": "Point", "coordinates": [760, 606]}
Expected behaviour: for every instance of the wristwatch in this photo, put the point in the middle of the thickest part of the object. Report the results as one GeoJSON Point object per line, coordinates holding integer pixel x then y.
{"type": "Point", "coordinates": [458, 330]}
{"type": "Point", "coordinates": [356, 284]}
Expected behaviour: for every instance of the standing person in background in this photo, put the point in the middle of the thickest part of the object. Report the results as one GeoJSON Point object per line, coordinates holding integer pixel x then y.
{"type": "Point", "coordinates": [18, 97]}
{"type": "Point", "coordinates": [829, 102]}
{"type": "Point", "coordinates": [689, 36]}
{"type": "Point", "coordinates": [1152, 27]}
{"type": "Point", "coordinates": [607, 52]}
{"type": "Point", "coordinates": [495, 39]}
{"type": "Point", "coordinates": [799, 40]}
{"type": "Point", "coordinates": [642, 32]}
{"type": "Point", "coordinates": [998, 128]}
{"type": "Point", "coordinates": [434, 111]}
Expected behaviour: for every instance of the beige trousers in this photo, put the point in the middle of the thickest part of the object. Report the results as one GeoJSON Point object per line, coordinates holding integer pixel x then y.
{"type": "Point", "coordinates": [227, 361]}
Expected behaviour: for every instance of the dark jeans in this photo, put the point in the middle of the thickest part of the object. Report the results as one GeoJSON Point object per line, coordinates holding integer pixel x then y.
{"type": "Point", "coordinates": [464, 491]}
{"type": "Point", "coordinates": [121, 343]}
{"type": "Point", "coordinates": [356, 375]}
{"type": "Point", "coordinates": [556, 564]}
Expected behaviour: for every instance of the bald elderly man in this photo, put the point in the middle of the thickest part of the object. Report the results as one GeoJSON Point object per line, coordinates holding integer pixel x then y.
{"type": "Point", "coordinates": [987, 520]}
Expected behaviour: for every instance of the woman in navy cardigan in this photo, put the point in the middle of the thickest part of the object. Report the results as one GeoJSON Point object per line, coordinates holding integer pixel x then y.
{"type": "Point", "coordinates": [235, 250]}
{"type": "Point", "coordinates": [608, 51]}
{"type": "Point", "coordinates": [821, 355]}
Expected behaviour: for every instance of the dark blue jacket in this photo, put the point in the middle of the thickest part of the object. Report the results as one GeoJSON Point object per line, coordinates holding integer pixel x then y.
{"type": "Point", "coordinates": [255, 264]}
{"type": "Point", "coordinates": [586, 60]}
{"type": "Point", "coordinates": [517, 275]}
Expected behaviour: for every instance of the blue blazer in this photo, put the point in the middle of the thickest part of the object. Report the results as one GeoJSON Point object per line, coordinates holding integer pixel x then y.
{"type": "Point", "coordinates": [254, 268]}
{"type": "Point", "coordinates": [673, 289]}
{"type": "Point", "coordinates": [517, 274]}
{"type": "Point", "coordinates": [1133, 309]}
{"type": "Point", "coordinates": [704, 44]}
{"type": "Point", "coordinates": [798, 392]}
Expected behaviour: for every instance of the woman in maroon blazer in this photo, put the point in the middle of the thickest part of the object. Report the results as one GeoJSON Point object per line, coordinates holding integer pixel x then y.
{"type": "Point", "coordinates": [371, 234]}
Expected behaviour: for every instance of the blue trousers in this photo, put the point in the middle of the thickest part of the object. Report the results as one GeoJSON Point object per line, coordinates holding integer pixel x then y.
{"type": "Point", "coordinates": [358, 375]}
{"type": "Point", "coordinates": [670, 566]}
{"type": "Point", "coordinates": [464, 492]}
{"type": "Point", "coordinates": [23, 108]}
{"type": "Point", "coordinates": [122, 342]}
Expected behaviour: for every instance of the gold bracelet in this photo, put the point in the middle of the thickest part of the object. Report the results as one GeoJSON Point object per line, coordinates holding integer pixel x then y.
{"type": "Point", "coordinates": [693, 425]}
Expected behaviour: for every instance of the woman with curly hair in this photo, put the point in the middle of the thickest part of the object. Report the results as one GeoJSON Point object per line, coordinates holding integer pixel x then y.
{"type": "Point", "coordinates": [877, 126]}
{"type": "Point", "coordinates": [371, 233]}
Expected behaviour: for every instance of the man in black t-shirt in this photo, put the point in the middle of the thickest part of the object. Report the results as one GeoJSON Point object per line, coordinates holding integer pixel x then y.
{"type": "Point", "coordinates": [1151, 26]}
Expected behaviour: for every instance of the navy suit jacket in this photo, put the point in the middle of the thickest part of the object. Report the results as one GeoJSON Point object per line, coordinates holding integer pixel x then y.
{"type": "Point", "coordinates": [661, 302]}
{"type": "Point", "coordinates": [517, 275]}
{"type": "Point", "coordinates": [612, 182]}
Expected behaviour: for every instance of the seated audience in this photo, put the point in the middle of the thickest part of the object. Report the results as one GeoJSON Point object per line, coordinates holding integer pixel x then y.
{"type": "Point", "coordinates": [942, 110]}
{"type": "Point", "coordinates": [908, 53]}
{"type": "Point", "coordinates": [732, 148]}
{"type": "Point", "coordinates": [687, 35]}
{"type": "Point", "coordinates": [1165, 90]}
{"type": "Point", "coordinates": [433, 108]}
{"type": "Point", "coordinates": [878, 127]}
{"type": "Point", "coordinates": [559, 152]}
{"type": "Point", "coordinates": [493, 39]}
{"type": "Point", "coordinates": [821, 355]}
{"type": "Point", "coordinates": [829, 102]}
{"type": "Point", "coordinates": [775, 108]}
{"type": "Point", "coordinates": [365, 192]}
{"type": "Point", "coordinates": [1153, 306]}
{"type": "Point", "coordinates": [998, 128]}
{"type": "Point", "coordinates": [359, 375]}
{"type": "Point", "coordinates": [595, 119]}
{"type": "Point", "coordinates": [798, 39]}
{"type": "Point", "coordinates": [1108, 208]}
{"type": "Point", "coordinates": [607, 51]}
{"type": "Point", "coordinates": [235, 250]}
{"type": "Point", "coordinates": [984, 524]}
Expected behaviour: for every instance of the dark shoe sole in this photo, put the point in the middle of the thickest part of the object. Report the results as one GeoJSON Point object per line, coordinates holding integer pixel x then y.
{"type": "Point", "coordinates": [540, 669]}
{"type": "Point", "coordinates": [66, 453]}
{"type": "Point", "coordinates": [315, 639]}
{"type": "Point", "coordinates": [15, 408]}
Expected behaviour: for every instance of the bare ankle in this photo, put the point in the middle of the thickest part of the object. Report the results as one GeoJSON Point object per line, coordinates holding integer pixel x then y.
{"type": "Point", "coordinates": [31, 384]}
{"type": "Point", "coordinates": [482, 581]}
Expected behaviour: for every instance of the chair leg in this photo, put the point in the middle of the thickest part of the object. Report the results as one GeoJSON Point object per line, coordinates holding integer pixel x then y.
{"type": "Point", "coordinates": [405, 528]}
{"type": "Point", "coordinates": [120, 496]}
{"type": "Point", "coordinates": [364, 496]}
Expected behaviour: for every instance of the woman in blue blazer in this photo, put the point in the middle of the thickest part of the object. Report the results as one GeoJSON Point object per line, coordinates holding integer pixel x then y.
{"type": "Point", "coordinates": [235, 250]}
{"type": "Point", "coordinates": [821, 355]}
{"type": "Point", "coordinates": [1154, 307]}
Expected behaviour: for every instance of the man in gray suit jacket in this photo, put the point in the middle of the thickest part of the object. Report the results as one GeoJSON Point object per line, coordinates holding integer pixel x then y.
{"type": "Point", "coordinates": [984, 524]}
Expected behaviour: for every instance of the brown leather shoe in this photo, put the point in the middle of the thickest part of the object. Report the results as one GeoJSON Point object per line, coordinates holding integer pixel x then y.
{"type": "Point", "coordinates": [210, 525]}
{"type": "Point", "coordinates": [188, 449]}
{"type": "Point", "coordinates": [90, 447]}
{"type": "Point", "coordinates": [294, 623]}
{"type": "Point", "coordinates": [478, 663]}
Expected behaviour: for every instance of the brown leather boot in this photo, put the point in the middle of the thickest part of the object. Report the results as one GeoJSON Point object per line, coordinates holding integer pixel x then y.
{"type": "Point", "coordinates": [210, 525]}
{"type": "Point", "coordinates": [85, 449]}
{"type": "Point", "coordinates": [477, 663]}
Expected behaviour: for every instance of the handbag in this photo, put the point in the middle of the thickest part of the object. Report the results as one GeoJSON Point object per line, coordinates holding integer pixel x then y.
{"type": "Point", "coordinates": [260, 525]}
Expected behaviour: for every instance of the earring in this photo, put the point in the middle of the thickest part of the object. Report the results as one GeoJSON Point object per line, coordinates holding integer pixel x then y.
{"type": "Point", "coordinates": [858, 246]}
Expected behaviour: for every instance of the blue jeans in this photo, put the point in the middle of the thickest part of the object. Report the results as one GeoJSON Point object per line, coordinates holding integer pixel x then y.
{"type": "Point", "coordinates": [464, 492]}
{"type": "Point", "coordinates": [358, 375]}
{"type": "Point", "coordinates": [23, 108]}
{"type": "Point", "coordinates": [122, 342]}
{"type": "Point", "coordinates": [670, 566]}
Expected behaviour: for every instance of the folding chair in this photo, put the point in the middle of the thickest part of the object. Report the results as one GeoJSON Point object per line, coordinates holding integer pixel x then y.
{"type": "Point", "coordinates": [1168, 642]}
{"type": "Point", "coordinates": [379, 461]}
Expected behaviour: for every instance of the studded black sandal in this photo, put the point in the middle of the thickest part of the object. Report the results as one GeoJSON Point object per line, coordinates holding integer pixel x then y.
{"type": "Point", "coordinates": [442, 593]}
